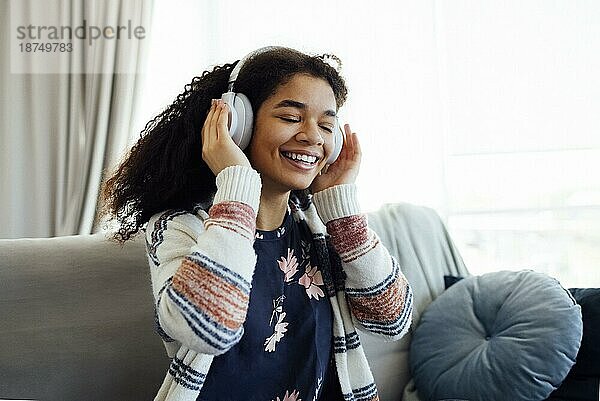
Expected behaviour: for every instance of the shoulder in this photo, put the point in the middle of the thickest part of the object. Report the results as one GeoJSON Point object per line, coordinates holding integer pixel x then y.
{"type": "Point", "coordinates": [171, 231]}
{"type": "Point", "coordinates": [186, 222]}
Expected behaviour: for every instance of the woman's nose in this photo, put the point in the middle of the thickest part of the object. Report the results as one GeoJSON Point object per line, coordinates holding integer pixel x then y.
{"type": "Point", "coordinates": [310, 134]}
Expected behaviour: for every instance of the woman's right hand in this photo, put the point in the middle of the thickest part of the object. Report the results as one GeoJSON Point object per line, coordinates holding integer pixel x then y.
{"type": "Point", "coordinates": [218, 149]}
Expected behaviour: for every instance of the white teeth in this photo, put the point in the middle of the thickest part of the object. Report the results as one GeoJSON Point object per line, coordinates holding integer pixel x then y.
{"type": "Point", "coordinates": [304, 158]}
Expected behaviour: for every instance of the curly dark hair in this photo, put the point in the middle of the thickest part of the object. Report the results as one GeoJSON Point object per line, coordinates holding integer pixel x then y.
{"type": "Point", "coordinates": [165, 170]}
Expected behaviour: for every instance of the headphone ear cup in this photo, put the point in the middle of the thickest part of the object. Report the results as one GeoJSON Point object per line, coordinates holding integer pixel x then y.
{"type": "Point", "coordinates": [338, 140]}
{"type": "Point", "coordinates": [240, 127]}
{"type": "Point", "coordinates": [245, 119]}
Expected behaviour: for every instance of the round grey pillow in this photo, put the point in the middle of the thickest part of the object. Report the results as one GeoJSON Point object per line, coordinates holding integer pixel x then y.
{"type": "Point", "coordinates": [500, 336]}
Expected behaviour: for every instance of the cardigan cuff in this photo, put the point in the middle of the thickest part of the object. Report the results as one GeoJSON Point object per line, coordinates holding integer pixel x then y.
{"type": "Point", "coordinates": [337, 202]}
{"type": "Point", "coordinates": [238, 184]}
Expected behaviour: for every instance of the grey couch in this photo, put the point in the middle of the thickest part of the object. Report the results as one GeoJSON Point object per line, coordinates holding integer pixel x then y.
{"type": "Point", "coordinates": [76, 314]}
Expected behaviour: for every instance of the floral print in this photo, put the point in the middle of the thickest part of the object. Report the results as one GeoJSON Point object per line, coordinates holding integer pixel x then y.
{"type": "Point", "coordinates": [280, 325]}
{"type": "Point", "coordinates": [280, 329]}
{"type": "Point", "coordinates": [294, 396]}
{"type": "Point", "coordinates": [277, 307]}
{"type": "Point", "coordinates": [311, 279]}
{"type": "Point", "coordinates": [319, 384]}
{"type": "Point", "coordinates": [295, 275]}
{"type": "Point", "coordinates": [289, 265]}
{"type": "Point", "coordinates": [286, 350]}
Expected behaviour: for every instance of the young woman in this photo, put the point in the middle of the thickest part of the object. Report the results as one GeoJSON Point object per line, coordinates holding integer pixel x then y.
{"type": "Point", "coordinates": [262, 264]}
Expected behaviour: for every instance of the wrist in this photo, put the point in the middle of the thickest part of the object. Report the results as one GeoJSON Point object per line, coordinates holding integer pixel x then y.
{"type": "Point", "coordinates": [336, 202]}
{"type": "Point", "coordinates": [238, 184]}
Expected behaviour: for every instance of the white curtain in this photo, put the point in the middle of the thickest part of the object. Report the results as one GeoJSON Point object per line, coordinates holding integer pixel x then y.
{"type": "Point", "coordinates": [60, 131]}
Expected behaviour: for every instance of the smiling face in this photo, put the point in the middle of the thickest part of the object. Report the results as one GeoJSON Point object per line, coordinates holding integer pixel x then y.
{"type": "Point", "coordinates": [293, 134]}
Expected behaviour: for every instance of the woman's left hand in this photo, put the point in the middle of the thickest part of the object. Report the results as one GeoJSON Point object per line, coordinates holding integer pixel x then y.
{"type": "Point", "coordinates": [345, 169]}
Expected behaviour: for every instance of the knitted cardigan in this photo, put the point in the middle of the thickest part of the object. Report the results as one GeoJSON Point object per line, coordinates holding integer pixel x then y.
{"type": "Point", "coordinates": [201, 267]}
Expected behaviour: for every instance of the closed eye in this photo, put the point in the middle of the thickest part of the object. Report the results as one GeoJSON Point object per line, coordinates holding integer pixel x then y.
{"type": "Point", "coordinates": [289, 120]}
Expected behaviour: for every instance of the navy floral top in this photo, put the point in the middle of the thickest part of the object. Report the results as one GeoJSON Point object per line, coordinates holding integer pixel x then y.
{"type": "Point", "coordinates": [286, 350]}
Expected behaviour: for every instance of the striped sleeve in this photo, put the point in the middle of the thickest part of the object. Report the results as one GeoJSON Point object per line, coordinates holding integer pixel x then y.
{"type": "Point", "coordinates": [379, 295]}
{"type": "Point", "coordinates": [202, 264]}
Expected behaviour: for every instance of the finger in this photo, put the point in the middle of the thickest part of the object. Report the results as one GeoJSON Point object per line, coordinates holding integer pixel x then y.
{"type": "Point", "coordinates": [222, 130]}
{"type": "Point", "coordinates": [206, 137]}
{"type": "Point", "coordinates": [354, 148]}
{"type": "Point", "coordinates": [355, 144]}
{"type": "Point", "coordinates": [357, 149]}
{"type": "Point", "coordinates": [214, 119]}
{"type": "Point", "coordinates": [347, 148]}
{"type": "Point", "coordinates": [349, 138]}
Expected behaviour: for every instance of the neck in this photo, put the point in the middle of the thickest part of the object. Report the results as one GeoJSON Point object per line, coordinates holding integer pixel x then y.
{"type": "Point", "coordinates": [271, 210]}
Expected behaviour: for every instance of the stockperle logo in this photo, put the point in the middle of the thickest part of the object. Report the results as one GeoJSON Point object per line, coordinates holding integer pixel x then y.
{"type": "Point", "coordinates": [55, 36]}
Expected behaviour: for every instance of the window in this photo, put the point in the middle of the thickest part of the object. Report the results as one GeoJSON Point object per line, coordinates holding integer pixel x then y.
{"type": "Point", "coordinates": [485, 111]}
{"type": "Point", "coordinates": [522, 135]}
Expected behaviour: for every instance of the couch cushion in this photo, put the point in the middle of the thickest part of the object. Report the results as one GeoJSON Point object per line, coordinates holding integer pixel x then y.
{"type": "Point", "coordinates": [501, 336]}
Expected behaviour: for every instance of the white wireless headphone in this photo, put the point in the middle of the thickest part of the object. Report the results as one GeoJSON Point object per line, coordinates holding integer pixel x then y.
{"type": "Point", "coordinates": [240, 127]}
